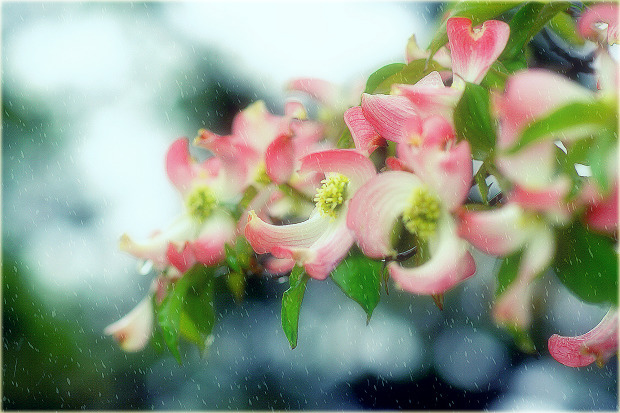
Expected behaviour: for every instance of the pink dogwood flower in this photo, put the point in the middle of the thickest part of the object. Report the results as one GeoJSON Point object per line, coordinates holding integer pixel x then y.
{"type": "Point", "coordinates": [200, 233]}
{"type": "Point", "coordinates": [502, 232]}
{"type": "Point", "coordinates": [433, 182]}
{"type": "Point", "coordinates": [530, 95]}
{"type": "Point", "coordinates": [597, 345]}
{"type": "Point", "coordinates": [262, 145]}
{"type": "Point", "coordinates": [321, 241]}
{"type": "Point", "coordinates": [472, 53]}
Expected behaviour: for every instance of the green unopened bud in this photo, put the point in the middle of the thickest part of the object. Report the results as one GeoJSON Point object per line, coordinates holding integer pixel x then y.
{"type": "Point", "coordinates": [201, 202]}
{"type": "Point", "coordinates": [422, 214]}
{"type": "Point", "coordinates": [331, 194]}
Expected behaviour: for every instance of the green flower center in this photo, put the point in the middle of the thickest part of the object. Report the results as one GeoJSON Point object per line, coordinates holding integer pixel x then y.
{"type": "Point", "coordinates": [261, 176]}
{"type": "Point", "coordinates": [424, 210]}
{"type": "Point", "coordinates": [201, 202]}
{"type": "Point", "coordinates": [331, 194]}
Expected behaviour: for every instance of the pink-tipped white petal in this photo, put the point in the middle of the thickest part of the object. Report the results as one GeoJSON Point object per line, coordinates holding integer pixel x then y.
{"type": "Point", "coordinates": [387, 114]}
{"type": "Point", "coordinates": [280, 159]}
{"type": "Point", "coordinates": [375, 208]}
{"type": "Point", "coordinates": [598, 344]}
{"type": "Point", "coordinates": [532, 94]}
{"type": "Point", "coordinates": [549, 198]}
{"type": "Point", "coordinates": [326, 252]}
{"type": "Point", "coordinates": [208, 247]}
{"type": "Point", "coordinates": [236, 160]}
{"type": "Point", "coordinates": [265, 237]}
{"type": "Point", "coordinates": [348, 162]}
{"type": "Point", "coordinates": [450, 263]}
{"type": "Point", "coordinates": [155, 247]}
{"type": "Point", "coordinates": [319, 89]}
{"type": "Point", "coordinates": [179, 165]}
{"type": "Point", "coordinates": [365, 137]}
{"type": "Point", "coordinates": [533, 167]}
{"type": "Point", "coordinates": [437, 131]}
{"type": "Point", "coordinates": [500, 231]}
{"type": "Point", "coordinates": [514, 305]}
{"type": "Point", "coordinates": [430, 97]}
{"type": "Point", "coordinates": [255, 127]}
{"type": "Point", "coordinates": [275, 265]}
{"type": "Point", "coordinates": [474, 50]}
{"type": "Point", "coordinates": [133, 331]}
{"type": "Point", "coordinates": [449, 171]}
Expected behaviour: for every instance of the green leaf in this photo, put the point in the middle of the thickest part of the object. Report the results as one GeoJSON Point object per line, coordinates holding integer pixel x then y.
{"type": "Point", "coordinates": [200, 310]}
{"type": "Point", "coordinates": [236, 284]}
{"type": "Point", "coordinates": [346, 140]}
{"type": "Point", "coordinates": [409, 74]}
{"type": "Point", "coordinates": [472, 120]}
{"type": "Point", "coordinates": [170, 310]}
{"type": "Point", "coordinates": [359, 278]}
{"type": "Point", "coordinates": [585, 118]}
{"type": "Point", "coordinates": [587, 264]}
{"type": "Point", "coordinates": [598, 157]}
{"type": "Point", "coordinates": [291, 304]}
{"type": "Point", "coordinates": [231, 258]}
{"type": "Point", "coordinates": [508, 271]}
{"type": "Point", "coordinates": [529, 20]}
{"type": "Point", "coordinates": [481, 182]}
{"type": "Point", "coordinates": [380, 75]}
{"type": "Point", "coordinates": [477, 12]}
{"type": "Point", "coordinates": [565, 26]}
{"type": "Point", "coordinates": [522, 339]}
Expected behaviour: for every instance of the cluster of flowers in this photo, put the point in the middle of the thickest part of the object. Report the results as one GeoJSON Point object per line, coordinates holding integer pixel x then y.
{"type": "Point", "coordinates": [282, 183]}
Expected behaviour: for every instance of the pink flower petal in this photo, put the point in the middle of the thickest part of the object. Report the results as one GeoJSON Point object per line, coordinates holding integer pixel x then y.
{"type": "Point", "coordinates": [255, 127]}
{"type": "Point", "coordinates": [598, 344]}
{"type": "Point", "coordinates": [264, 237]}
{"type": "Point", "coordinates": [451, 170]}
{"type": "Point", "coordinates": [348, 162]}
{"type": "Point", "coordinates": [514, 305]}
{"type": "Point", "coordinates": [500, 231]}
{"type": "Point", "coordinates": [602, 215]}
{"type": "Point", "coordinates": [606, 13]}
{"type": "Point", "coordinates": [533, 167]}
{"type": "Point", "coordinates": [155, 247]}
{"type": "Point", "coordinates": [280, 159]}
{"type": "Point", "coordinates": [326, 252]}
{"type": "Point", "coordinates": [319, 89]}
{"type": "Point", "coordinates": [275, 265]}
{"type": "Point", "coordinates": [474, 50]}
{"type": "Point", "coordinates": [134, 330]}
{"type": "Point", "coordinates": [208, 247]}
{"type": "Point", "coordinates": [430, 97]}
{"type": "Point", "coordinates": [365, 137]}
{"type": "Point", "coordinates": [182, 259]}
{"type": "Point", "coordinates": [387, 114]}
{"type": "Point", "coordinates": [179, 165]}
{"type": "Point", "coordinates": [236, 159]}
{"type": "Point", "coordinates": [375, 208]}
{"type": "Point", "coordinates": [450, 263]}
{"type": "Point", "coordinates": [532, 94]}
{"type": "Point", "coordinates": [549, 198]}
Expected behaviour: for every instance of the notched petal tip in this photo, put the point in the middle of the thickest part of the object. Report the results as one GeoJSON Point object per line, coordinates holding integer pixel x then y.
{"type": "Point", "coordinates": [134, 330]}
